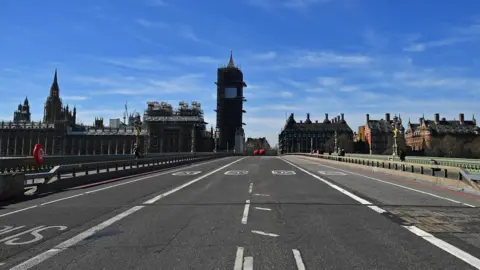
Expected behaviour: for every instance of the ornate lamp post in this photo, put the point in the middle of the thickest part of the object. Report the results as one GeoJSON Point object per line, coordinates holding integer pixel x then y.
{"type": "Point", "coordinates": [395, 145]}
{"type": "Point", "coordinates": [335, 150]}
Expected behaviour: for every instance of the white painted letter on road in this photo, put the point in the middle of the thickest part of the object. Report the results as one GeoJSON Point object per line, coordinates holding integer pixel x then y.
{"type": "Point", "coordinates": [281, 172]}
{"type": "Point", "coordinates": [35, 232]}
{"type": "Point", "coordinates": [331, 173]}
{"type": "Point", "coordinates": [236, 172]}
{"type": "Point", "coordinates": [184, 173]}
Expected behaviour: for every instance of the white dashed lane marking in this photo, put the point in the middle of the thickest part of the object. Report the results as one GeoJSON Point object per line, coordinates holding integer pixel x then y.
{"type": "Point", "coordinates": [245, 212]}
{"type": "Point", "coordinates": [331, 173]}
{"type": "Point", "coordinates": [265, 233]}
{"type": "Point", "coordinates": [282, 172]}
{"type": "Point", "coordinates": [298, 259]}
{"type": "Point", "coordinates": [460, 254]}
{"type": "Point", "coordinates": [239, 259]}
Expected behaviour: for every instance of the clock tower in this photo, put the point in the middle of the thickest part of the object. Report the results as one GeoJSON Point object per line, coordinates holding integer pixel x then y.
{"type": "Point", "coordinates": [230, 100]}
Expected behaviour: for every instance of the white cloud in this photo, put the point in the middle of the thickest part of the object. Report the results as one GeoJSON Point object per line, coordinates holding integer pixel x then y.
{"type": "Point", "coordinates": [158, 3]}
{"type": "Point", "coordinates": [74, 98]}
{"type": "Point", "coordinates": [187, 83]}
{"type": "Point", "coordinates": [322, 59]}
{"type": "Point", "coordinates": [303, 3]}
{"type": "Point", "coordinates": [151, 24]}
{"type": "Point", "coordinates": [286, 94]}
{"type": "Point", "coordinates": [265, 56]}
{"type": "Point", "coordinates": [330, 81]}
{"type": "Point", "coordinates": [187, 32]}
{"type": "Point", "coordinates": [104, 81]}
{"type": "Point", "coordinates": [420, 47]}
{"type": "Point", "coordinates": [138, 63]}
{"type": "Point", "coordinates": [187, 60]}
{"type": "Point", "coordinates": [289, 4]}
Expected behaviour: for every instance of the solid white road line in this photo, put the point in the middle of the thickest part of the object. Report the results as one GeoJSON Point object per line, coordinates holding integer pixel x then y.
{"type": "Point", "coordinates": [265, 233]}
{"type": "Point", "coordinates": [76, 239]}
{"type": "Point", "coordinates": [464, 256]}
{"type": "Point", "coordinates": [248, 263]}
{"type": "Point", "coordinates": [153, 200]}
{"type": "Point", "coordinates": [245, 212]}
{"type": "Point", "coordinates": [19, 210]}
{"type": "Point", "coordinates": [401, 186]}
{"type": "Point", "coordinates": [264, 195]}
{"type": "Point", "coordinates": [250, 188]}
{"type": "Point", "coordinates": [263, 208]}
{"type": "Point", "coordinates": [107, 187]}
{"type": "Point", "coordinates": [62, 199]}
{"type": "Point", "coordinates": [298, 259]}
{"type": "Point", "coordinates": [239, 259]}
{"type": "Point", "coordinates": [460, 254]}
{"type": "Point", "coordinates": [72, 241]}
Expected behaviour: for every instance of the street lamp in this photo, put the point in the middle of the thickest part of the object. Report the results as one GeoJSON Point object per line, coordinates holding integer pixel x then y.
{"type": "Point", "coordinates": [335, 150]}
{"type": "Point", "coordinates": [193, 138]}
{"type": "Point", "coordinates": [216, 139]}
{"type": "Point", "coordinates": [395, 145]}
{"type": "Point", "coordinates": [138, 130]}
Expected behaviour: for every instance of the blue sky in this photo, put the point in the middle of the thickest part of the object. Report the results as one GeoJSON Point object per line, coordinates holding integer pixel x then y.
{"type": "Point", "coordinates": [318, 56]}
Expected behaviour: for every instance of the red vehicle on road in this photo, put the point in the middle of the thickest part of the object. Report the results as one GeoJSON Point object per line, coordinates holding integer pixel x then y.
{"type": "Point", "coordinates": [255, 152]}
{"type": "Point", "coordinates": [261, 152]}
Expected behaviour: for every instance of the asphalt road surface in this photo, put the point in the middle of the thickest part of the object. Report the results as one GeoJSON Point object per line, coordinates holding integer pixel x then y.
{"type": "Point", "coordinates": [246, 213]}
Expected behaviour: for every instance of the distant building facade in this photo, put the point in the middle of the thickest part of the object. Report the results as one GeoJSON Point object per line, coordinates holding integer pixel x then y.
{"type": "Point", "coordinates": [305, 136]}
{"type": "Point", "coordinates": [230, 101]}
{"type": "Point", "coordinates": [419, 135]}
{"type": "Point", "coordinates": [379, 133]}
{"type": "Point", "coordinates": [22, 114]}
{"type": "Point", "coordinates": [170, 130]}
{"type": "Point", "coordinates": [258, 143]}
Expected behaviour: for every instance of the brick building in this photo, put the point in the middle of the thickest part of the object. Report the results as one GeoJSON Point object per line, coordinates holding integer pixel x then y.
{"type": "Point", "coordinates": [419, 135]}
{"type": "Point", "coordinates": [379, 133]}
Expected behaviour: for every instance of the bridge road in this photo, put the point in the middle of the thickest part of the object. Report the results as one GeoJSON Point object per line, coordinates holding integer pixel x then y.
{"type": "Point", "coordinates": [258, 212]}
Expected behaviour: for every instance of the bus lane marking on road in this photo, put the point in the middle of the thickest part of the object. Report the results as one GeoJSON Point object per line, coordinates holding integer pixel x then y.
{"type": "Point", "coordinates": [14, 240]}
{"type": "Point", "coordinates": [186, 173]}
{"type": "Point", "coordinates": [236, 172]}
{"type": "Point", "coordinates": [283, 172]}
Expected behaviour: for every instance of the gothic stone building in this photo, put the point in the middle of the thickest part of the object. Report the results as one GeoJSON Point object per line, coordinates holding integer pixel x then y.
{"type": "Point", "coordinates": [306, 136]}
{"type": "Point", "coordinates": [162, 131]}
{"type": "Point", "coordinates": [379, 133]}
{"type": "Point", "coordinates": [419, 135]}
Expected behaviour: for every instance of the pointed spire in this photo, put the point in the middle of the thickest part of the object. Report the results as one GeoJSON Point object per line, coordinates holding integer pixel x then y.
{"type": "Point", "coordinates": [25, 102]}
{"type": "Point", "coordinates": [231, 64]}
{"type": "Point", "coordinates": [55, 77]}
{"type": "Point", "coordinates": [54, 89]}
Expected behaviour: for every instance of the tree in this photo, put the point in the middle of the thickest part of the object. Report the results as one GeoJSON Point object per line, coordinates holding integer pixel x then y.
{"type": "Point", "coordinates": [329, 145]}
{"type": "Point", "coordinates": [345, 142]}
{"type": "Point", "coordinates": [401, 144]}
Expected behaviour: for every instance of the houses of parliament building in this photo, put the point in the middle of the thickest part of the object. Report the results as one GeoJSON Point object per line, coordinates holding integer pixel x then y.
{"type": "Point", "coordinates": [163, 129]}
